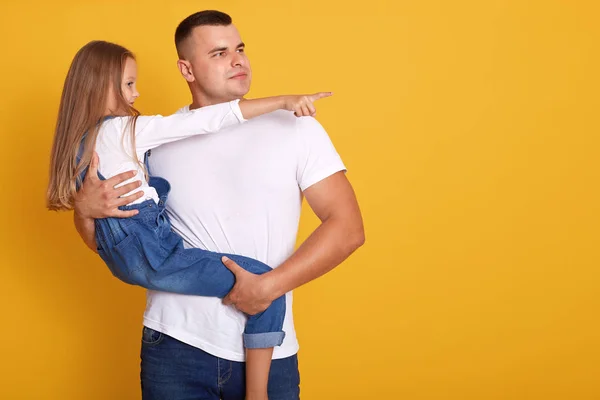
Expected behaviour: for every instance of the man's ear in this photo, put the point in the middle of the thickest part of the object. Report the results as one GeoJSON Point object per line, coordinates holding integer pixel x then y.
{"type": "Point", "coordinates": [185, 68]}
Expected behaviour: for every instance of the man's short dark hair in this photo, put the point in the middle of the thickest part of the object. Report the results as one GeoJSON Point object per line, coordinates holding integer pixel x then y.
{"type": "Point", "coordinates": [201, 18]}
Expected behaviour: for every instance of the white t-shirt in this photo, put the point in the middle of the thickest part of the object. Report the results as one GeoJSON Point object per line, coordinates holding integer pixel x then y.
{"type": "Point", "coordinates": [113, 144]}
{"type": "Point", "coordinates": [237, 192]}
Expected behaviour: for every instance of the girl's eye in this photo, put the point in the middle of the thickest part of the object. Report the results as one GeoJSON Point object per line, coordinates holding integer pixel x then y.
{"type": "Point", "coordinates": [129, 83]}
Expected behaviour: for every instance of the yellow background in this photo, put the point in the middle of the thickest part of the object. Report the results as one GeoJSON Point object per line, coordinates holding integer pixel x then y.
{"type": "Point", "coordinates": [470, 130]}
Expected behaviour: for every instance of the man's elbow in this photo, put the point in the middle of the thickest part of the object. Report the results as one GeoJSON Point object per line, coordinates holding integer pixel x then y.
{"type": "Point", "coordinates": [357, 239]}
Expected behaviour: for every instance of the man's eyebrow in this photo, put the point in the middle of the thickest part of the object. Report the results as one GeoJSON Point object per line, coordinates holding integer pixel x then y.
{"type": "Point", "coordinates": [217, 49]}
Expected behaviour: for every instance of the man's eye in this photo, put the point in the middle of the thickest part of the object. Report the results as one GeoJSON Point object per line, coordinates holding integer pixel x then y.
{"type": "Point", "coordinates": [240, 50]}
{"type": "Point", "coordinates": [219, 54]}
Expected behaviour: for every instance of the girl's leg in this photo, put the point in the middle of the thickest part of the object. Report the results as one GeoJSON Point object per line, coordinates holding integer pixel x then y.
{"type": "Point", "coordinates": [263, 330]}
{"type": "Point", "coordinates": [163, 264]}
{"type": "Point", "coordinates": [258, 366]}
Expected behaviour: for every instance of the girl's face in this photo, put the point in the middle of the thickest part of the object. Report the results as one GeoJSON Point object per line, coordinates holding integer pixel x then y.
{"type": "Point", "coordinates": [128, 89]}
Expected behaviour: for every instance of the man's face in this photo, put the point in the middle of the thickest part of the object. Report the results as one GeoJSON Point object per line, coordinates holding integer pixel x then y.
{"type": "Point", "coordinates": [219, 64]}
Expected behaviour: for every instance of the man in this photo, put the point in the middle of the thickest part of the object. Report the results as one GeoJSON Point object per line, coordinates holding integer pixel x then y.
{"type": "Point", "coordinates": [238, 191]}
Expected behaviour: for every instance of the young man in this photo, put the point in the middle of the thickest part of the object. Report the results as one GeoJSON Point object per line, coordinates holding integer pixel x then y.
{"type": "Point", "coordinates": [236, 192]}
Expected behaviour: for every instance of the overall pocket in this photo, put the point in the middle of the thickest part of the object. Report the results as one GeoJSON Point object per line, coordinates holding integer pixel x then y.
{"type": "Point", "coordinates": [129, 255]}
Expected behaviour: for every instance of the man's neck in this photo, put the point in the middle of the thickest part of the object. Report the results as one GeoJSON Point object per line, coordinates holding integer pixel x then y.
{"type": "Point", "coordinates": [202, 101]}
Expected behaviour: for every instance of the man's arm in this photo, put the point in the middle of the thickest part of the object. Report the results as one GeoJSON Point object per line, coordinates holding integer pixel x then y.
{"type": "Point", "coordinates": [100, 199]}
{"type": "Point", "coordinates": [85, 228]}
{"type": "Point", "coordinates": [340, 233]}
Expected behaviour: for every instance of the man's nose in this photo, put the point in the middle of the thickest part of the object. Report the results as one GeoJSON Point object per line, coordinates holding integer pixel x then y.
{"type": "Point", "coordinates": [237, 60]}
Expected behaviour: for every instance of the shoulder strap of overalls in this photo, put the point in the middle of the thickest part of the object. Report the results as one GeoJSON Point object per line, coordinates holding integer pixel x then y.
{"type": "Point", "coordinates": [146, 157]}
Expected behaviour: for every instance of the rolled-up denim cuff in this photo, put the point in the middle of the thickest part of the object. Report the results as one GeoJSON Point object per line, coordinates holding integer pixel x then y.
{"type": "Point", "coordinates": [263, 340]}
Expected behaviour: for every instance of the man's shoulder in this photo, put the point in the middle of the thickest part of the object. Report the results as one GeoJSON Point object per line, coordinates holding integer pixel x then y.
{"type": "Point", "coordinates": [278, 121]}
{"type": "Point", "coordinates": [287, 119]}
{"type": "Point", "coordinates": [183, 109]}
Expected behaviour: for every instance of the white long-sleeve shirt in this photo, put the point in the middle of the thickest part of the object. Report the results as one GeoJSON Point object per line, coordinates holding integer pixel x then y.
{"type": "Point", "coordinates": [114, 138]}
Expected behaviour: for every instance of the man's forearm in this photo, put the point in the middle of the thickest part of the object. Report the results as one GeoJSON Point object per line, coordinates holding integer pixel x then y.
{"type": "Point", "coordinates": [330, 244]}
{"type": "Point", "coordinates": [340, 233]}
{"type": "Point", "coordinates": [86, 229]}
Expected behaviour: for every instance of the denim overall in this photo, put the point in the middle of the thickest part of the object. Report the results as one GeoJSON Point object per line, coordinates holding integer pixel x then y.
{"type": "Point", "coordinates": [143, 250]}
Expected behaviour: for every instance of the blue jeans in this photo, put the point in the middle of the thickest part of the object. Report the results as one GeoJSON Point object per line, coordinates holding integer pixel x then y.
{"type": "Point", "coordinates": [143, 250]}
{"type": "Point", "coordinates": [173, 370]}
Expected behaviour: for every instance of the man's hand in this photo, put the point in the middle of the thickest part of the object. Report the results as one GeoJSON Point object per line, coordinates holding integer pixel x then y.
{"type": "Point", "coordinates": [100, 199]}
{"type": "Point", "coordinates": [251, 292]}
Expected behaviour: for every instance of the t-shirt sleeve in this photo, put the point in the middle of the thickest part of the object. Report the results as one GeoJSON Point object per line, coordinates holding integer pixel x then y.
{"type": "Point", "coordinates": [317, 157]}
{"type": "Point", "coordinates": [153, 131]}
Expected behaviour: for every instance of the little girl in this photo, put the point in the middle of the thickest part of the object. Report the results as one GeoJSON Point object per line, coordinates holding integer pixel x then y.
{"type": "Point", "coordinates": [96, 114]}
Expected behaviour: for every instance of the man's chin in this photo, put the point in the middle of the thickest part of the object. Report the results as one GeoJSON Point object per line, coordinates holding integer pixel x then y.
{"type": "Point", "coordinates": [238, 94]}
{"type": "Point", "coordinates": [240, 87]}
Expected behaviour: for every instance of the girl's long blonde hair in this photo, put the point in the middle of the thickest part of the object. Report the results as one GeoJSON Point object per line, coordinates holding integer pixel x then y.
{"type": "Point", "coordinates": [97, 67]}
